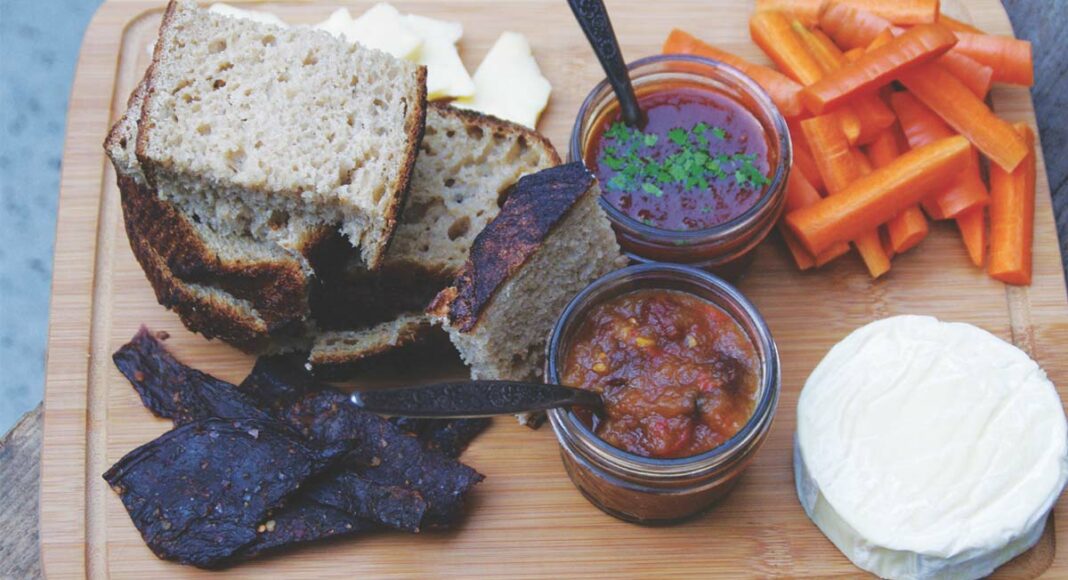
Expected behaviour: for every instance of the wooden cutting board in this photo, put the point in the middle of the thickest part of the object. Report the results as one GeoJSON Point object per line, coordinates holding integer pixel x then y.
{"type": "Point", "coordinates": [526, 518]}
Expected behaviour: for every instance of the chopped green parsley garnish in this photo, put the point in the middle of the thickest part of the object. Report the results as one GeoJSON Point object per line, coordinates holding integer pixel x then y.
{"type": "Point", "coordinates": [691, 164]}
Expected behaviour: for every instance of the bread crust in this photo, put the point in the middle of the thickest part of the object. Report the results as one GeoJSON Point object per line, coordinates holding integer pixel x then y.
{"type": "Point", "coordinates": [507, 127]}
{"type": "Point", "coordinates": [540, 201]}
{"type": "Point", "coordinates": [373, 254]}
{"type": "Point", "coordinates": [417, 125]}
{"type": "Point", "coordinates": [213, 319]}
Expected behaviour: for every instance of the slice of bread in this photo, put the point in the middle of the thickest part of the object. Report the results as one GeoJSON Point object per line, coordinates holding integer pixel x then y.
{"type": "Point", "coordinates": [276, 282]}
{"type": "Point", "coordinates": [549, 241]}
{"type": "Point", "coordinates": [467, 164]}
{"type": "Point", "coordinates": [338, 354]}
{"type": "Point", "coordinates": [249, 127]}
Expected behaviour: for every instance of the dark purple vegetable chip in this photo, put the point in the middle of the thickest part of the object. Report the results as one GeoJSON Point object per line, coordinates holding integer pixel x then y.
{"type": "Point", "coordinates": [198, 493]}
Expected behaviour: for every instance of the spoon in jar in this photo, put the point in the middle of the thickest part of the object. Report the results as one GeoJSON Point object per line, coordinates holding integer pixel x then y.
{"type": "Point", "coordinates": [592, 16]}
{"type": "Point", "coordinates": [468, 399]}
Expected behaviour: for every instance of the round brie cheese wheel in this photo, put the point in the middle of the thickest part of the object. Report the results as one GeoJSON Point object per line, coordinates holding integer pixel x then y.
{"type": "Point", "coordinates": [929, 449]}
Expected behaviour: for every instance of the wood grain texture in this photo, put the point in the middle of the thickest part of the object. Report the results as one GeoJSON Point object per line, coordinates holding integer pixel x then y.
{"type": "Point", "coordinates": [526, 519]}
{"type": "Point", "coordinates": [20, 454]}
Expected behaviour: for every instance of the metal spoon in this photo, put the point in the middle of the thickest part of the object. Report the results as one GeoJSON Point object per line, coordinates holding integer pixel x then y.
{"type": "Point", "coordinates": [464, 399]}
{"type": "Point", "coordinates": [593, 18]}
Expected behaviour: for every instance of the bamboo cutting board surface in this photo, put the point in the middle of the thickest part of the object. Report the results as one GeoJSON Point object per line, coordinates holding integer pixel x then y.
{"type": "Point", "coordinates": [526, 518]}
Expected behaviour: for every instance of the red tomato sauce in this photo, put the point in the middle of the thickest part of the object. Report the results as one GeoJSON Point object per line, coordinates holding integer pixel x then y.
{"type": "Point", "coordinates": [678, 375]}
{"type": "Point", "coordinates": [660, 182]}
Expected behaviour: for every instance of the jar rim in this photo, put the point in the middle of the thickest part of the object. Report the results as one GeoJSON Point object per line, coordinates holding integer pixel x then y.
{"type": "Point", "coordinates": [740, 80]}
{"type": "Point", "coordinates": [763, 412]}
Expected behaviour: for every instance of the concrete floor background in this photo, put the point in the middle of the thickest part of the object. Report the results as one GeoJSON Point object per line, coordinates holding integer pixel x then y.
{"type": "Point", "coordinates": [39, 42]}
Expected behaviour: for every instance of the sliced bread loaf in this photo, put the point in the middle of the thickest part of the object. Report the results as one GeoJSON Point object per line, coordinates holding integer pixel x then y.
{"type": "Point", "coordinates": [276, 282]}
{"type": "Point", "coordinates": [253, 128]}
{"type": "Point", "coordinates": [338, 354]}
{"type": "Point", "coordinates": [550, 239]}
{"type": "Point", "coordinates": [467, 164]}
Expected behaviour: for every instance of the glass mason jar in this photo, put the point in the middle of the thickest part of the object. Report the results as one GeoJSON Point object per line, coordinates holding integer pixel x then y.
{"type": "Point", "coordinates": [647, 490]}
{"type": "Point", "coordinates": [725, 248]}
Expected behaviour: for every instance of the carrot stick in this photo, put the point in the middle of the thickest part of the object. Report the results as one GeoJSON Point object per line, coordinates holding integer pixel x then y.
{"type": "Point", "coordinates": [972, 225]}
{"type": "Point", "coordinates": [800, 193]}
{"type": "Point", "coordinates": [963, 111]}
{"type": "Point", "coordinates": [906, 12]}
{"type": "Point", "coordinates": [838, 167]}
{"type": "Point", "coordinates": [878, 196]}
{"type": "Point", "coordinates": [803, 259]}
{"type": "Point", "coordinates": [784, 92]}
{"type": "Point", "coordinates": [1009, 57]}
{"type": "Point", "coordinates": [976, 76]}
{"type": "Point", "coordinates": [956, 25]}
{"type": "Point", "coordinates": [921, 127]}
{"type": "Point", "coordinates": [851, 27]}
{"type": "Point", "coordinates": [771, 31]}
{"type": "Point", "coordinates": [908, 228]}
{"type": "Point", "coordinates": [803, 160]}
{"type": "Point", "coordinates": [877, 67]}
{"type": "Point", "coordinates": [1012, 216]}
{"type": "Point", "coordinates": [867, 112]}
{"type": "Point", "coordinates": [807, 11]}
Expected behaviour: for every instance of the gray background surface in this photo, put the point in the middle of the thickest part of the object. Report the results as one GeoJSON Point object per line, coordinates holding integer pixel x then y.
{"type": "Point", "coordinates": [39, 42]}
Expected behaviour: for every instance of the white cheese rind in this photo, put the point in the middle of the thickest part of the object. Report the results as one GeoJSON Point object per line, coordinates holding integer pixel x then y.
{"type": "Point", "coordinates": [929, 449]}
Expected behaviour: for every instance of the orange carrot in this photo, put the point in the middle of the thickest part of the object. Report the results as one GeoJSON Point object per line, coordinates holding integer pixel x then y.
{"type": "Point", "coordinates": [972, 225]}
{"type": "Point", "coordinates": [851, 27]}
{"type": "Point", "coordinates": [956, 25]}
{"type": "Point", "coordinates": [908, 228]}
{"type": "Point", "coordinates": [784, 92]}
{"type": "Point", "coordinates": [868, 112]}
{"type": "Point", "coordinates": [799, 194]}
{"type": "Point", "coordinates": [875, 198]}
{"type": "Point", "coordinates": [921, 127]}
{"type": "Point", "coordinates": [803, 259]}
{"type": "Point", "coordinates": [803, 160]}
{"type": "Point", "coordinates": [977, 77]}
{"type": "Point", "coordinates": [877, 67]}
{"type": "Point", "coordinates": [807, 11]}
{"type": "Point", "coordinates": [963, 111]}
{"type": "Point", "coordinates": [772, 32]}
{"type": "Point", "coordinates": [838, 167]}
{"type": "Point", "coordinates": [1012, 216]}
{"type": "Point", "coordinates": [899, 11]}
{"type": "Point", "coordinates": [1009, 57]}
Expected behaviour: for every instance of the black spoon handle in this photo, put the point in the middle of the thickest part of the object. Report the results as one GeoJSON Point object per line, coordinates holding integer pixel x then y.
{"type": "Point", "coordinates": [463, 399]}
{"type": "Point", "coordinates": [593, 18]}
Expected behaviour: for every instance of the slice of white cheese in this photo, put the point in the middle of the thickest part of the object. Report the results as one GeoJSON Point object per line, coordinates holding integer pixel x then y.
{"type": "Point", "coordinates": [928, 449]}
{"type": "Point", "coordinates": [509, 84]}
{"type": "Point", "coordinates": [446, 76]}
{"type": "Point", "coordinates": [422, 40]}
{"type": "Point", "coordinates": [257, 15]}
{"type": "Point", "coordinates": [382, 27]}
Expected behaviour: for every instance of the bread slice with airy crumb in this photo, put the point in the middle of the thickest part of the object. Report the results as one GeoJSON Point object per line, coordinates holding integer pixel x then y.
{"type": "Point", "coordinates": [254, 128]}
{"type": "Point", "coordinates": [340, 354]}
{"type": "Point", "coordinates": [468, 163]}
{"type": "Point", "coordinates": [548, 242]}
{"type": "Point", "coordinates": [274, 281]}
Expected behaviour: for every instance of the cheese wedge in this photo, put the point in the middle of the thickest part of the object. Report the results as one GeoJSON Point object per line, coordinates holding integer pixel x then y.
{"type": "Point", "coordinates": [446, 76]}
{"type": "Point", "coordinates": [382, 27]}
{"type": "Point", "coordinates": [256, 15]}
{"type": "Point", "coordinates": [509, 84]}
{"type": "Point", "coordinates": [927, 449]}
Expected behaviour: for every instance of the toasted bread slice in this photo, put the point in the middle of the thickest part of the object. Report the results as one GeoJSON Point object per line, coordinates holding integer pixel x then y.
{"type": "Point", "coordinates": [549, 241]}
{"type": "Point", "coordinates": [249, 127]}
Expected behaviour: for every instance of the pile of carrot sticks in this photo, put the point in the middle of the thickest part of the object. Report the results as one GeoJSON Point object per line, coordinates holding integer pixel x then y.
{"type": "Point", "coordinates": [886, 105]}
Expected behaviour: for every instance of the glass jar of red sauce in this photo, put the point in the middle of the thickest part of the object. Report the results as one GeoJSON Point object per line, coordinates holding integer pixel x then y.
{"type": "Point", "coordinates": [703, 182]}
{"type": "Point", "coordinates": [634, 486]}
